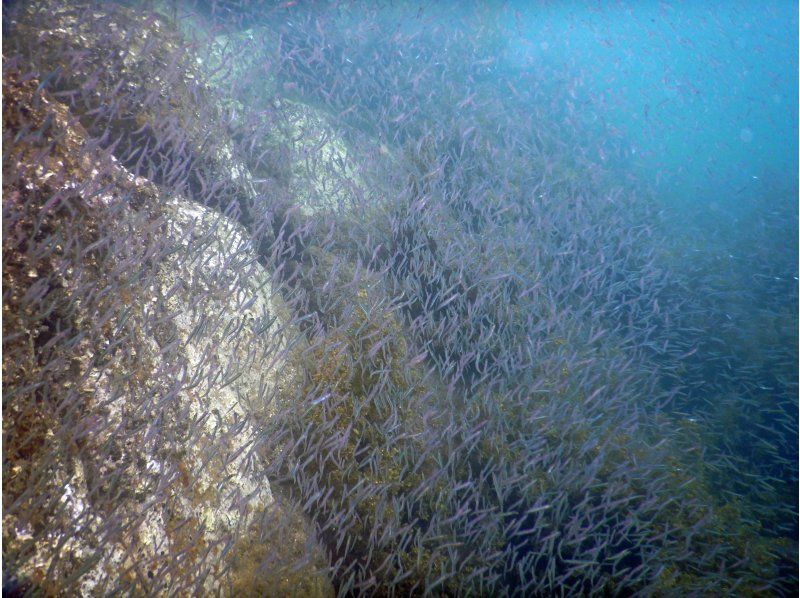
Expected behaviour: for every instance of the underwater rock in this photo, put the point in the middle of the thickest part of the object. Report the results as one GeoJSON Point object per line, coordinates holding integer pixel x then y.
{"type": "Point", "coordinates": [299, 147]}
{"type": "Point", "coordinates": [140, 91]}
{"type": "Point", "coordinates": [325, 177]}
{"type": "Point", "coordinates": [136, 336]}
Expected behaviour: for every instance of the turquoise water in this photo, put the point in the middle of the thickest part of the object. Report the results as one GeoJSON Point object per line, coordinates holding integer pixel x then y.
{"type": "Point", "coordinates": [697, 98]}
{"type": "Point", "coordinates": [696, 103]}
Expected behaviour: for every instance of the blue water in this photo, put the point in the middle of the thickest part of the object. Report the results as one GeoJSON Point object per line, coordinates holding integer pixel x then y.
{"type": "Point", "coordinates": [696, 102]}
{"type": "Point", "coordinates": [698, 99]}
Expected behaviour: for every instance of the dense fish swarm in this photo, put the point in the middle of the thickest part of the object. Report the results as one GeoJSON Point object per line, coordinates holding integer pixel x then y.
{"type": "Point", "coordinates": [329, 300]}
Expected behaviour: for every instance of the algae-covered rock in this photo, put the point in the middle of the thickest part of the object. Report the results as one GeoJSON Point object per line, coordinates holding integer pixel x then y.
{"type": "Point", "coordinates": [143, 344]}
{"type": "Point", "coordinates": [135, 84]}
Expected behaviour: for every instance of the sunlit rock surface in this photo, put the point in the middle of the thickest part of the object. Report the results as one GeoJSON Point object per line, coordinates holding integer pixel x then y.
{"type": "Point", "coordinates": [142, 474]}
{"type": "Point", "coordinates": [139, 90]}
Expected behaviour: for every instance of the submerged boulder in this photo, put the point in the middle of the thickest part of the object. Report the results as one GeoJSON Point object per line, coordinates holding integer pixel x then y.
{"type": "Point", "coordinates": [136, 86]}
{"type": "Point", "coordinates": [143, 346]}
